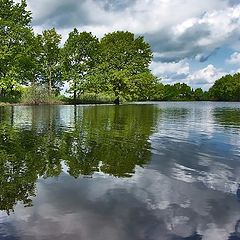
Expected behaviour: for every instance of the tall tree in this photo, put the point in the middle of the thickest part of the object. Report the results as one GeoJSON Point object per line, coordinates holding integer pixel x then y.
{"type": "Point", "coordinates": [50, 57]}
{"type": "Point", "coordinates": [79, 57]}
{"type": "Point", "coordinates": [123, 56]}
{"type": "Point", "coordinates": [15, 37]}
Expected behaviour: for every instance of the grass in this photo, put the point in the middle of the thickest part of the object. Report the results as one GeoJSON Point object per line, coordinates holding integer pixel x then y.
{"type": "Point", "coordinates": [92, 98]}
{"type": "Point", "coordinates": [36, 95]}
{"type": "Point", "coordinates": [4, 104]}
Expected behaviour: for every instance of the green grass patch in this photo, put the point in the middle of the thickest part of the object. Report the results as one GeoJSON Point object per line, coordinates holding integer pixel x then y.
{"type": "Point", "coordinates": [92, 98]}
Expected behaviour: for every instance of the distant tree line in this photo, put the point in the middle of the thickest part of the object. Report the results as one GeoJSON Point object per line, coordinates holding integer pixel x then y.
{"type": "Point", "coordinates": [116, 66]}
{"type": "Point", "coordinates": [226, 88]}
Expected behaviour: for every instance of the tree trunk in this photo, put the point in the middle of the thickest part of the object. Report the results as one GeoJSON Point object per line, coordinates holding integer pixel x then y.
{"type": "Point", "coordinates": [117, 101]}
{"type": "Point", "coordinates": [33, 79]}
{"type": "Point", "coordinates": [75, 92]}
{"type": "Point", "coordinates": [3, 92]}
{"type": "Point", "coordinates": [50, 83]}
{"type": "Point", "coordinates": [11, 90]}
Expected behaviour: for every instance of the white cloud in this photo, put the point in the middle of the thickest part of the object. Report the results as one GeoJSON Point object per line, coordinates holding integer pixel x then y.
{"type": "Point", "coordinates": [214, 29]}
{"type": "Point", "coordinates": [234, 58]}
{"type": "Point", "coordinates": [205, 77]}
{"type": "Point", "coordinates": [181, 72]}
{"type": "Point", "coordinates": [176, 29]}
{"type": "Point", "coordinates": [159, 68]}
{"type": "Point", "coordinates": [156, 12]}
{"type": "Point", "coordinates": [171, 72]}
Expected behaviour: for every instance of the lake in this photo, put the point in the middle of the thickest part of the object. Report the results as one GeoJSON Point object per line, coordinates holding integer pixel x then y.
{"type": "Point", "coordinates": [152, 171]}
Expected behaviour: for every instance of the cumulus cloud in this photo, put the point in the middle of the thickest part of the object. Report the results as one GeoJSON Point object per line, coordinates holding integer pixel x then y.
{"type": "Point", "coordinates": [181, 67]}
{"type": "Point", "coordinates": [204, 34]}
{"type": "Point", "coordinates": [205, 77]}
{"type": "Point", "coordinates": [181, 72]}
{"type": "Point", "coordinates": [234, 58]}
{"type": "Point", "coordinates": [170, 72]}
{"type": "Point", "coordinates": [175, 29]}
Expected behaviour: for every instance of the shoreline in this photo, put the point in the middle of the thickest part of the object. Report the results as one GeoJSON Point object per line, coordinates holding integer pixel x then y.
{"type": "Point", "coordinates": [5, 104]}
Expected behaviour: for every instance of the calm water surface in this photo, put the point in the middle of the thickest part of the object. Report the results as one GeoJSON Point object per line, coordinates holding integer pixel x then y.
{"type": "Point", "coordinates": [149, 171]}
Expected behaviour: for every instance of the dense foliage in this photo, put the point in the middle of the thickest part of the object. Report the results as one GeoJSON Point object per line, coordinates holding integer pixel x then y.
{"type": "Point", "coordinates": [114, 67]}
{"type": "Point", "coordinates": [15, 45]}
{"type": "Point", "coordinates": [79, 56]}
{"type": "Point", "coordinates": [226, 88]}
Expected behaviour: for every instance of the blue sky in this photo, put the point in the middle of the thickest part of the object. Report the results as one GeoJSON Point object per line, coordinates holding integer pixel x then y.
{"type": "Point", "coordinates": [193, 41]}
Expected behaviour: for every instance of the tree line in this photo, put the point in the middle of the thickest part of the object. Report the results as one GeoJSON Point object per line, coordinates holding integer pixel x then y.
{"type": "Point", "coordinates": [116, 66]}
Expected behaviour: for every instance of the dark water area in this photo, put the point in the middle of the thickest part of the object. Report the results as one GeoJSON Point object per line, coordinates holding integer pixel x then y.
{"type": "Point", "coordinates": [154, 171]}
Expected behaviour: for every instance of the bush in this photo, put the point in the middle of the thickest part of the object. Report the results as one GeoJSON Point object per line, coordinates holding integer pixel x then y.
{"type": "Point", "coordinates": [13, 96]}
{"type": "Point", "coordinates": [38, 95]}
{"type": "Point", "coordinates": [88, 98]}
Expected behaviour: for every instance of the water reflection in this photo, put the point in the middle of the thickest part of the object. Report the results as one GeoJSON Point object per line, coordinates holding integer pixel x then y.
{"type": "Point", "coordinates": [101, 139]}
{"type": "Point", "coordinates": [166, 171]}
{"type": "Point", "coordinates": [236, 234]}
{"type": "Point", "coordinates": [195, 236]}
{"type": "Point", "coordinates": [228, 118]}
{"type": "Point", "coordinates": [197, 149]}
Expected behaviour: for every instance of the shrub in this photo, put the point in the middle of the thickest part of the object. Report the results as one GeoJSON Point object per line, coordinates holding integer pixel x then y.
{"type": "Point", "coordinates": [95, 98]}
{"type": "Point", "coordinates": [38, 95]}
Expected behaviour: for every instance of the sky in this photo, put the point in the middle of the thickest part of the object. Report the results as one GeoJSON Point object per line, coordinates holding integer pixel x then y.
{"type": "Point", "coordinates": [194, 41]}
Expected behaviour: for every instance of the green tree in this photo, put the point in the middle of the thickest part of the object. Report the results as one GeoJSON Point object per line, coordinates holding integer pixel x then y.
{"type": "Point", "coordinates": [123, 56]}
{"type": "Point", "coordinates": [79, 56]}
{"type": "Point", "coordinates": [226, 88]}
{"type": "Point", "coordinates": [50, 58]}
{"type": "Point", "coordinates": [144, 86]}
{"type": "Point", "coordinates": [15, 38]}
{"type": "Point", "coordinates": [158, 92]}
{"type": "Point", "coordinates": [178, 91]}
{"type": "Point", "coordinates": [170, 92]}
{"type": "Point", "coordinates": [31, 66]}
{"type": "Point", "coordinates": [198, 94]}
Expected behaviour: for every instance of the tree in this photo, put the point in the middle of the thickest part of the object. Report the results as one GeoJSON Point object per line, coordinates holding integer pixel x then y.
{"type": "Point", "coordinates": [158, 92]}
{"type": "Point", "coordinates": [198, 94]}
{"type": "Point", "coordinates": [15, 13]}
{"type": "Point", "coordinates": [123, 56]}
{"type": "Point", "coordinates": [144, 86]}
{"type": "Point", "coordinates": [226, 88]}
{"type": "Point", "coordinates": [50, 58]}
{"type": "Point", "coordinates": [178, 91]}
{"type": "Point", "coordinates": [15, 37]}
{"type": "Point", "coordinates": [79, 57]}
{"type": "Point", "coordinates": [170, 92]}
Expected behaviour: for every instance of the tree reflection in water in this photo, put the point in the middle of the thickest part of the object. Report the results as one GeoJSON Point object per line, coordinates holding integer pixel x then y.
{"type": "Point", "coordinates": [228, 118]}
{"type": "Point", "coordinates": [111, 140]}
{"type": "Point", "coordinates": [236, 234]}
